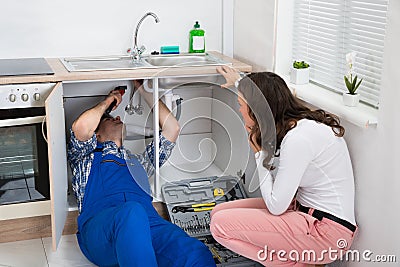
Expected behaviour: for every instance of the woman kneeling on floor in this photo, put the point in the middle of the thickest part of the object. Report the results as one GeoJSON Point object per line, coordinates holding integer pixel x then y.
{"type": "Point", "coordinates": [314, 175]}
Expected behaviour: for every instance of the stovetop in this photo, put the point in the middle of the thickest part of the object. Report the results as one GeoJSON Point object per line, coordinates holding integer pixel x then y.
{"type": "Point", "coordinates": [24, 66]}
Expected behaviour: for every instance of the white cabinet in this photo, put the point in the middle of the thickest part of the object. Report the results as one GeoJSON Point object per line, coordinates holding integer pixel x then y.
{"type": "Point", "coordinates": [212, 141]}
{"type": "Point", "coordinates": [50, 158]}
{"type": "Point", "coordinates": [57, 161]}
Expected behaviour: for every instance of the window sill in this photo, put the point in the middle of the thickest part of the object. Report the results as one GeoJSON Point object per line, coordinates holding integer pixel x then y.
{"type": "Point", "coordinates": [362, 115]}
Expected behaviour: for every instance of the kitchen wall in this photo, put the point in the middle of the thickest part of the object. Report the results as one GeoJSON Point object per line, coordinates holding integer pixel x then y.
{"type": "Point", "coordinates": [254, 33]}
{"type": "Point", "coordinates": [374, 151]}
{"type": "Point", "coordinates": [54, 28]}
{"type": "Point", "coordinates": [253, 43]}
{"type": "Point", "coordinates": [376, 159]}
{"type": "Point", "coordinates": [44, 28]}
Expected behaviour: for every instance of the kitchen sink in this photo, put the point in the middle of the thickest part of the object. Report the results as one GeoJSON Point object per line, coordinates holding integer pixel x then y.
{"type": "Point", "coordinates": [150, 61]}
{"type": "Point", "coordinates": [183, 60]}
{"type": "Point", "coordinates": [110, 63]}
{"type": "Point", "coordinates": [101, 63]}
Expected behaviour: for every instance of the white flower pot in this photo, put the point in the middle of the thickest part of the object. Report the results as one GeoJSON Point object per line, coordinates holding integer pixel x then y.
{"type": "Point", "coordinates": [300, 76]}
{"type": "Point", "coordinates": [351, 100]}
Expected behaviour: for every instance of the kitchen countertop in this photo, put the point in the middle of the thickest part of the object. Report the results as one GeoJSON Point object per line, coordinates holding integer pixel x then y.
{"type": "Point", "coordinates": [61, 74]}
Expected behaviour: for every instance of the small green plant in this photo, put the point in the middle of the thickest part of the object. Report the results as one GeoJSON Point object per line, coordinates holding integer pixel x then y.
{"type": "Point", "coordinates": [351, 84]}
{"type": "Point", "coordinates": [351, 79]}
{"type": "Point", "coordinates": [300, 65]}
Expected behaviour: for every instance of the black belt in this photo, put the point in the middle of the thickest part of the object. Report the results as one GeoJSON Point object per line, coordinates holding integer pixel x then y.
{"type": "Point", "coordinates": [321, 214]}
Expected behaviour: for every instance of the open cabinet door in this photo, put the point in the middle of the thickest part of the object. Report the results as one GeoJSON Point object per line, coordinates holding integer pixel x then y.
{"type": "Point", "coordinates": [57, 162]}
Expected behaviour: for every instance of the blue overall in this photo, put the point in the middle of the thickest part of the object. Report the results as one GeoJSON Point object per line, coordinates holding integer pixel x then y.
{"type": "Point", "coordinates": [119, 226]}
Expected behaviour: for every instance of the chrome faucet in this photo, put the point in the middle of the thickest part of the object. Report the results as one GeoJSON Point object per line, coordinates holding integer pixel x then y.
{"type": "Point", "coordinates": [136, 52]}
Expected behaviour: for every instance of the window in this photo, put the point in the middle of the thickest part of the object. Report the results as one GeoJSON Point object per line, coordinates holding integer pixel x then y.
{"type": "Point", "coordinates": [326, 30]}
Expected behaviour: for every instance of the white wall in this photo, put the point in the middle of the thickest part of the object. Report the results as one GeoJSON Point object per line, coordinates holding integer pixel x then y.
{"type": "Point", "coordinates": [374, 151]}
{"type": "Point", "coordinates": [284, 39]}
{"type": "Point", "coordinates": [54, 28]}
{"type": "Point", "coordinates": [44, 28]}
{"type": "Point", "coordinates": [376, 159]}
{"type": "Point", "coordinates": [254, 33]}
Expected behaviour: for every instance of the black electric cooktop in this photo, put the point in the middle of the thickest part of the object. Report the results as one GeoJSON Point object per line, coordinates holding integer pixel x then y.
{"type": "Point", "coordinates": [24, 66]}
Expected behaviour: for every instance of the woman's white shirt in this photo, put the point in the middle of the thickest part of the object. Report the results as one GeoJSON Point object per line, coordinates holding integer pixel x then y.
{"type": "Point", "coordinates": [314, 163]}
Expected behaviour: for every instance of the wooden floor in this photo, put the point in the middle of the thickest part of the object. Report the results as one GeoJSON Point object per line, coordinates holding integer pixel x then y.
{"type": "Point", "coordinates": [40, 226]}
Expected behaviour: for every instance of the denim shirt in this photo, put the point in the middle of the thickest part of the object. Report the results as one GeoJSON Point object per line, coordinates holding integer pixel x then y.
{"type": "Point", "coordinates": [80, 158]}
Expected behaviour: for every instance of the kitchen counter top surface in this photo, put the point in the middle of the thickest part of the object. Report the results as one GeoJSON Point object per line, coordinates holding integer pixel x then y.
{"type": "Point", "coordinates": [61, 74]}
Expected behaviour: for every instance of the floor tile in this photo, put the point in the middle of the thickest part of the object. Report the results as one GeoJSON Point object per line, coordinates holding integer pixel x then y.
{"type": "Point", "coordinates": [23, 253]}
{"type": "Point", "coordinates": [67, 254]}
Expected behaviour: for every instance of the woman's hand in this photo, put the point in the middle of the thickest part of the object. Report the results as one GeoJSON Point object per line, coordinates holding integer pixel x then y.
{"type": "Point", "coordinates": [252, 140]}
{"type": "Point", "coordinates": [230, 75]}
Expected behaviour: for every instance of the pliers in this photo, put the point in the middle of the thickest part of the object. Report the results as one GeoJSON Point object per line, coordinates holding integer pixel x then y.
{"type": "Point", "coordinates": [194, 207]}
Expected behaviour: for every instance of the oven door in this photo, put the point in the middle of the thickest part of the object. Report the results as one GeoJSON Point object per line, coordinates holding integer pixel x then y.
{"type": "Point", "coordinates": [24, 167]}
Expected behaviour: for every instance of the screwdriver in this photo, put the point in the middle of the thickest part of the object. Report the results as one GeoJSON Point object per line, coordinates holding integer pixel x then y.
{"type": "Point", "coordinates": [194, 207]}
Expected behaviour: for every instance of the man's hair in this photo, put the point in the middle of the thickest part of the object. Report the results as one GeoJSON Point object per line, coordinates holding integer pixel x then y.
{"type": "Point", "coordinates": [105, 116]}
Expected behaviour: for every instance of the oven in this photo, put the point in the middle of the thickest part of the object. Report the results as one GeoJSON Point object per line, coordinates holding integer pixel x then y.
{"type": "Point", "coordinates": [24, 165]}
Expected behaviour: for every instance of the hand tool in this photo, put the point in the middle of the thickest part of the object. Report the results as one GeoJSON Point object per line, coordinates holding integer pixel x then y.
{"type": "Point", "coordinates": [194, 207]}
{"type": "Point", "coordinates": [216, 254]}
{"type": "Point", "coordinates": [121, 90]}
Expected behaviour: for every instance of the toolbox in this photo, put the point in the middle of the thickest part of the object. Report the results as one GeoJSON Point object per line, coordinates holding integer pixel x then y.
{"type": "Point", "coordinates": [189, 205]}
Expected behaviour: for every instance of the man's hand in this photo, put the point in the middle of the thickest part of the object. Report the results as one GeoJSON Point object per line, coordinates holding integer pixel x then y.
{"type": "Point", "coordinates": [168, 123]}
{"type": "Point", "coordinates": [87, 122]}
{"type": "Point", "coordinates": [114, 95]}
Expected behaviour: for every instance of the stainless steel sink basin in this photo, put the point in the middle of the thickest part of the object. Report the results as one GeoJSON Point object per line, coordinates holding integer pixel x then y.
{"type": "Point", "coordinates": [125, 62]}
{"type": "Point", "coordinates": [183, 60]}
{"type": "Point", "coordinates": [101, 63]}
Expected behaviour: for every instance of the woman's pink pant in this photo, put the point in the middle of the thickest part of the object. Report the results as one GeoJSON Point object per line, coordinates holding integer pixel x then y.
{"type": "Point", "coordinates": [293, 238]}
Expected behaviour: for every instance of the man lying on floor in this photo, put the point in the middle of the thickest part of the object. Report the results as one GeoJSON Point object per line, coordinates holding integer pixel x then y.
{"type": "Point", "coordinates": [118, 225]}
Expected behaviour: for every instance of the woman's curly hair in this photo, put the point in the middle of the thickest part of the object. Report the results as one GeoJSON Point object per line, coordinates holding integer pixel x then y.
{"type": "Point", "coordinates": [286, 109]}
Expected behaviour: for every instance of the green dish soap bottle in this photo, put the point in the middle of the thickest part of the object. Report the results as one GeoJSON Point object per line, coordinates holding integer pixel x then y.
{"type": "Point", "coordinates": [196, 40]}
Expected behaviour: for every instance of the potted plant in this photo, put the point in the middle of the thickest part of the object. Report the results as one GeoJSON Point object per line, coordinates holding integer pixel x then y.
{"type": "Point", "coordinates": [300, 72]}
{"type": "Point", "coordinates": [351, 98]}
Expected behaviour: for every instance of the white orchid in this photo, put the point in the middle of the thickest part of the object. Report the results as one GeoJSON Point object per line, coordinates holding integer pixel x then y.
{"type": "Point", "coordinates": [351, 58]}
{"type": "Point", "coordinates": [351, 79]}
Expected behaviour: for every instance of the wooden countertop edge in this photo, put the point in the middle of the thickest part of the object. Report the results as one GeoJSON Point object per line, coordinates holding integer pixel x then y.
{"type": "Point", "coordinates": [61, 74]}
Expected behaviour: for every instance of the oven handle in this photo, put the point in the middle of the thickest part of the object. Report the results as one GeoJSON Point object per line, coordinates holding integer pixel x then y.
{"type": "Point", "coordinates": [21, 121]}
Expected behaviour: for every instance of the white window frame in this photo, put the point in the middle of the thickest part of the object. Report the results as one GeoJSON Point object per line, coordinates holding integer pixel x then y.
{"type": "Point", "coordinates": [327, 30]}
{"type": "Point", "coordinates": [363, 115]}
